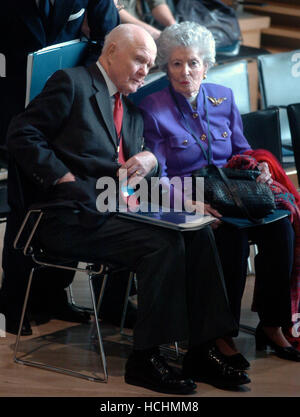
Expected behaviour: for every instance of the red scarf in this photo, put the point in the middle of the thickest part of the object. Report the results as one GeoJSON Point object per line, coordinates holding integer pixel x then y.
{"type": "Point", "coordinates": [287, 198]}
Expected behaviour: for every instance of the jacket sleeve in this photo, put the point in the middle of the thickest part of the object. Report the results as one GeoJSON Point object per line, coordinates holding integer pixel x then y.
{"type": "Point", "coordinates": [32, 134]}
{"type": "Point", "coordinates": [102, 16]}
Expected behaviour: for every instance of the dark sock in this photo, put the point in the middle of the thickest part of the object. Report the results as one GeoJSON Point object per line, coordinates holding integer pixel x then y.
{"type": "Point", "coordinates": [201, 349]}
{"type": "Point", "coordinates": [145, 353]}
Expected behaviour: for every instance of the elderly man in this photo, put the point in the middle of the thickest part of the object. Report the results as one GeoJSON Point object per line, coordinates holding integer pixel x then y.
{"type": "Point", "coordinates": [69, 137]}
{"type": "Point", "coordinates": [27, 26]}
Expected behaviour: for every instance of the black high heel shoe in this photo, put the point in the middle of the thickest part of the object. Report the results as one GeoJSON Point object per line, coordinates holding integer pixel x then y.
{"type": "Point", "coordinates": [263, 341]}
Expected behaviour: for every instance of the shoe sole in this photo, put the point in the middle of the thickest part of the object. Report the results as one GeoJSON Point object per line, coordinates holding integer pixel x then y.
{"type": "Point", "coordinates": [217, 384]}
{"type": "Point", "coordinates": [143, 384]}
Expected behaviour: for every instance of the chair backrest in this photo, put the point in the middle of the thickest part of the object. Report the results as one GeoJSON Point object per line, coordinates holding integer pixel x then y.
{"type": "Point", "coordinates": [279, 80]}
{"type": "Point", "coordinates": [43, 63]}
{"type": "Point", "coordinates": [233, 75]}
{"type": "Point", "coordinates": [262, 130]}
{"type": "Point", "coordinates": [279, 76]}
{"type": "Point", "coordinates": [150, 88]}
{"type": "Point", "coordinates": [2, 65]}
{"type": "Point", "coordinates": [4, 207]}
{"type": "Point", "coordinates": [293, 111]}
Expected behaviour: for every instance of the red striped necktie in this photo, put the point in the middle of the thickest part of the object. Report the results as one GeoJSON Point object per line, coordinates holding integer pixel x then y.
{"type": "Point", "coordinates": [118, 119]}
{"type": "Point", "coordinates": [131, 201]}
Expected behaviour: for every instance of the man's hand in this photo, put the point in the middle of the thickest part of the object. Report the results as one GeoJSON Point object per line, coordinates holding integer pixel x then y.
{"type": "Point", "coordinates": [265, 176]}
{"type": "Point", "coordinates": [137, 167]}
{"type": "Point", "coordinates": [68, 177]}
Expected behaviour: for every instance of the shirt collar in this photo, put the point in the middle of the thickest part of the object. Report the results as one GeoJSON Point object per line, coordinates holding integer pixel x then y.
{"type": "Point", "coordinates": [185, 104]}
{"type": "Point", "coordinates": [112, 89]}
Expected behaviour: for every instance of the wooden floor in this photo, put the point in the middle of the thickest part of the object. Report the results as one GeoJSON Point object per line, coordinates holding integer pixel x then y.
{"type": "Point", "coordinates": [271, 376]}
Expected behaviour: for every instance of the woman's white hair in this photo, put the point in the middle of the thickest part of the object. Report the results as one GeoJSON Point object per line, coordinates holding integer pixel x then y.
{"type": "Point", "coordinates": [189, 34]}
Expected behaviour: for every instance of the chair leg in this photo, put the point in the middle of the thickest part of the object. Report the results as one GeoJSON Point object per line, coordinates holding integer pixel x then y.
{"type": "Point", "coordinates": [101, 348]}
{"type": "Point", "coordinates": [16, 359]}
{"type": "Point", "coordinates": [99, 304]}
{"type": "Point", "coordinates": [57, 369]}
{"type": "Point", "coordinates": [103, 286]}
{"type": "Point", "coordinates": [126, 299]}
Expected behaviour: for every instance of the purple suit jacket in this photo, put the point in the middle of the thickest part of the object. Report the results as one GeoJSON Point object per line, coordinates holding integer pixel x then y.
{"type": "Point", "coordinates": [169, 138]}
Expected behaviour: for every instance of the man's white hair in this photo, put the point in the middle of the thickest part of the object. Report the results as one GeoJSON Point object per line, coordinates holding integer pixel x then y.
{"type": "Point", "coordinates": [125, 33]}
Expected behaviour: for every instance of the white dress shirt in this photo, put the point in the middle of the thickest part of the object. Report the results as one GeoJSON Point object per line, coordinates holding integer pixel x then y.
{"type": "Point", "coordinates": [112, 89]}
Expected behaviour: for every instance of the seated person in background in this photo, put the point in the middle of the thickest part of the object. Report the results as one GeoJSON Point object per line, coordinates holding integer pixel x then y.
{"type": "Point", "coordinates": [132, 13]}
{"type": "Point", "coordinates": [64, 142]}
{"type": "Point", "coordinates": [186, 129]}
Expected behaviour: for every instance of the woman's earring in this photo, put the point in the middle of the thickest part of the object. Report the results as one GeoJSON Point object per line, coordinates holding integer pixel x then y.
{"type": "Point", "coordinates": [204, 76]}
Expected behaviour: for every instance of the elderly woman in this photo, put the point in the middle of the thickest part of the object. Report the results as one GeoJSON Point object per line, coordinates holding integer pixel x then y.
{"type": "Point", "coordinates": [190, 124]}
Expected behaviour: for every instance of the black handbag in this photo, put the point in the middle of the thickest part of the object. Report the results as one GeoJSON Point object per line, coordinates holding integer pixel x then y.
{"type": "Point", "coordinates": [235, 192]}
{"type": "Point", "coordinates": [219, 18]}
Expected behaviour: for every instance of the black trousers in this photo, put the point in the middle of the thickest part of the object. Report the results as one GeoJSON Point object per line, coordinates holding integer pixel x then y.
{"type": "Point", "coordinates": [181, 292]}
{"type": "Point", "coordinates": [273, 267]}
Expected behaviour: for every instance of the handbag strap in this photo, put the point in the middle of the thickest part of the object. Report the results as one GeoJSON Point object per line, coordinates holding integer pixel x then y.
{"type": "Point", "coordinates": [238, 201]}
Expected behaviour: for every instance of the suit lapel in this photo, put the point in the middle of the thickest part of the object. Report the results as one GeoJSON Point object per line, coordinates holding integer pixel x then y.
{"type": "Point", "coordinates": [104, 102]}
{"type": "Point", "coordinates": [29, 14]}
{"type": "Point", "coordinates": [129, 137]}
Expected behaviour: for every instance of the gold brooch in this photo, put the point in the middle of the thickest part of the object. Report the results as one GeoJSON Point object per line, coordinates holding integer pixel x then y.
{"type": "Point", "coordinates": [216, 101]}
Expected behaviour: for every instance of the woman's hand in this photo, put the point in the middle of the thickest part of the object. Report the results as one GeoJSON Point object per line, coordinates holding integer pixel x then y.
{"type": "Point", "coordinates": [265, 176]}
{"type": "Point", "coordinates": [204, 208]}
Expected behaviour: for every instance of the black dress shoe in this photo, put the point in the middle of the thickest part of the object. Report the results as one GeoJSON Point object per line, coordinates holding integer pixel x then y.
{"type": "Point", "coordinates": [40, 317]}
{"type": "Point", "coordinates": [155, 374]}
{"type": "Point", "coordinates": [71, 314]}
{"type": "Point", "coordinates": [263, 341]}
{"type": "Point", "coordinates": [212, 368]}
{"type": "Point", "coordinates": [13, 317]}
{"type": "Point", "coordinates": [12, 326]}
{"type": "Point", "coordinates": [238, 361]}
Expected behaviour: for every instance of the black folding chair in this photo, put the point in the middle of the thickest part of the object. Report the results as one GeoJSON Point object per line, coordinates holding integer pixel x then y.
{"type": "Point", "coordinates": [279, 86]}
{"type": "Point", "coordinates": [293, 111]}
{"type": "Point", "coordinates": [27, 241]}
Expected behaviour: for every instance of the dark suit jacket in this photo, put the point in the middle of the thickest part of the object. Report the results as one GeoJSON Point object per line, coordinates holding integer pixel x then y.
{"type": "Point", "coordinates": [22, 32]}
{"type": "Point", "coordinates": [69, 127]}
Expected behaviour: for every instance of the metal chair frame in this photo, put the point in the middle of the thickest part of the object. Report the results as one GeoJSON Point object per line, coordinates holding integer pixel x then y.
{"type": "Point", "coordinates": [171, 352]}
{"type": "Point", "coordinates": [293, 112]}
{"type": "Point", "coordinates": [90, 270]}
